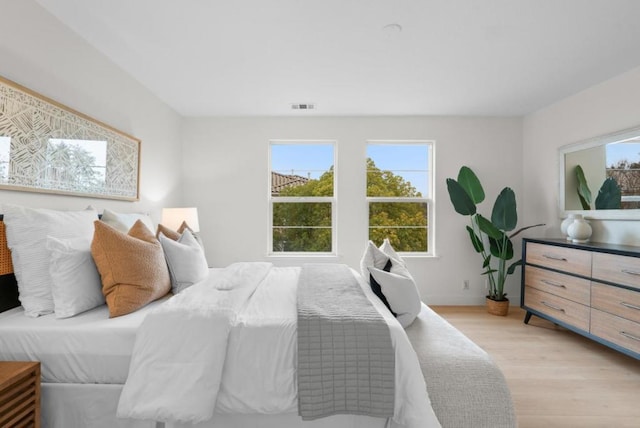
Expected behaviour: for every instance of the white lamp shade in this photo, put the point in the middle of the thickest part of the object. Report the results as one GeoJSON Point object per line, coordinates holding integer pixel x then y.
{"type": "Point", "coordinates": [173, 218]}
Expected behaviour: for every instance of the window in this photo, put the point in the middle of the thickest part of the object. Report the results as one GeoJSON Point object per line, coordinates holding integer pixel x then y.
{"type": "Point", "coordinates": [302, 197]}
{"type": "Point", "coordinates": [623, 165]}
{"type": "Point", "coordinates": [400, 195]}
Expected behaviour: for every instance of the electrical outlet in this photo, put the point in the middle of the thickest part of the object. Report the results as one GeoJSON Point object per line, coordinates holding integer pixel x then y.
{"type": "Point", "coordinates": [465, 284]}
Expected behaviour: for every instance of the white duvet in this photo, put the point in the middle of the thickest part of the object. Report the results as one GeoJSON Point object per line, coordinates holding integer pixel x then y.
{"type": "Point", "coordinates": [228, 345]}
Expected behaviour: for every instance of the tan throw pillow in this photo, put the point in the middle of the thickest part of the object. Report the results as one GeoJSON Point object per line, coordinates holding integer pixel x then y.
{"type": "Point", "coordinates": [132, 267]}
{"type": "Point", "coordinates": [171, 234]}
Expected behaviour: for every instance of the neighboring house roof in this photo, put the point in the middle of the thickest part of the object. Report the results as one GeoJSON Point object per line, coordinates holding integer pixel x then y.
{"type": "Point", "coordinates": [282, 181]}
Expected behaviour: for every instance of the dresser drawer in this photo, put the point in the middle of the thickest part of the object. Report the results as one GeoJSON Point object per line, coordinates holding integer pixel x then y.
{"type": "Point", "coordinates": [565, 259]}
{"type": "Point", "coordinates": [617, 301]}
{"type": "Point", "coordinates": [617, 269]}
{"type": "Point", "coordinates": [617, 330]}
{"type": "Point", "coordinates": [557, 307]}
{"type": "Point", "coordinates": [567, 286]}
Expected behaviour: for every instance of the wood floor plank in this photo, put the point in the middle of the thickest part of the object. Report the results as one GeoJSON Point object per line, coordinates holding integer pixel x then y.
{"type": "Point", "coordinates": [557, 378]}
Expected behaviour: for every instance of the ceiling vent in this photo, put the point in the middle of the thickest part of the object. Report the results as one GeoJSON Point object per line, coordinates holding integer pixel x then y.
{"type": "Point", "coordinates": [303, 106]}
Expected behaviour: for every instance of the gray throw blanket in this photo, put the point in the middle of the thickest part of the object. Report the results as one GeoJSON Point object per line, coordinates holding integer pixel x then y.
{"type": "Point", "coordinates": [346, 360]}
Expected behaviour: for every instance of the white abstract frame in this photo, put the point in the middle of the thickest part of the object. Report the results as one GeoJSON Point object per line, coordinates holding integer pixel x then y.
{"type": "Point", "coordinates": [50, 148]}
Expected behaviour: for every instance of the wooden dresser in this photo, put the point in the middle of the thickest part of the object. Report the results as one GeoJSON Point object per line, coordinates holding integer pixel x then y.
{"type": "Point", "coordinates": [592, 289]}
{"type": "Point", "coordinates": [19, 394]}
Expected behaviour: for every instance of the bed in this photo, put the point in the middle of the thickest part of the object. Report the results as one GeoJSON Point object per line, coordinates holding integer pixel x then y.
{"type": "Point", "coordinates": [86, 362]}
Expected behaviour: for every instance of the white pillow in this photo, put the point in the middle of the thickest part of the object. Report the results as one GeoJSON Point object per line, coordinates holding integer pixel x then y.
{"type": "Point", "coordinates": [125, 221]}
{"type": "Point", "coordinates": [400, 290]}
{"type": "Point", "coordinates": [27, 230]}
{"type": "Point", "coordinates": [372, 256]}
{"type": "Point", "coordinates": [186, 260]}
{"type": "Point", "coordinates": [76, 285]}
{"type": "Point", "coordinates": [389, 251]}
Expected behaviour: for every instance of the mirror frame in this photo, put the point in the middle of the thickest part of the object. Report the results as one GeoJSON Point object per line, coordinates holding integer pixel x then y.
{"type": "Point", "coordinates": [631, 214]}
{"type": "Point", "coordinates": [32, 120]}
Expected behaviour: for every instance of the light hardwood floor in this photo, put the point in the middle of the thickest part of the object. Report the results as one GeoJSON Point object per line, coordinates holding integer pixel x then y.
{"type": "Point", "coordinates": [557, 378]}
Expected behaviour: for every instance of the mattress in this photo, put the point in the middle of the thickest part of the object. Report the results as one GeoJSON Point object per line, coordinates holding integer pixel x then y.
{"type": "Point", "coordinates": [87, 348]}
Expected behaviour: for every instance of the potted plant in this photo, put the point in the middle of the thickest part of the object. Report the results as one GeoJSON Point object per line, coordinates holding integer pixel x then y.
{"type": "Point", "coordinates": [465, 193]}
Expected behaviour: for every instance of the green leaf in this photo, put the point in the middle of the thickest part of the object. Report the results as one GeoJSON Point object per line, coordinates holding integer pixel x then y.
{"type": "Point", "coordinates": [487, 227]}
{"type": "Point", "coordinates": [475, 241]}
{"type": "Point", "coordinates": [498, 246]}
{"type": "Point", "coordinates": [610, 196]}
{"type": "Point", "coordinates": [487, 261]}
{"type": "Point", "coordinates": [471, 184]}
{"type": "Point", "coordinates": [522, 229]}
{"type": "Point", "coordinates": [504, 215]}
{"type": "Point", "coordinates": [462, 203]}
{"type": "Point", "coordinates": [513, 267]}
{"type": "Point", "coordinates": [583, 189]}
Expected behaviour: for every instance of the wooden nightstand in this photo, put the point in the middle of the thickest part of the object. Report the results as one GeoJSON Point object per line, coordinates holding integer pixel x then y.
{"type": "Point", "coordinates": [19, 394]}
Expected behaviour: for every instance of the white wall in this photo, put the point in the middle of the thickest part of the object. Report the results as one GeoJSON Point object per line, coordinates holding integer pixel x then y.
{"type": "Point", "coordinates": [38, 52]}
{"type": "Point", "coordinates": [604, 108]}
{"type": "Point", "coordinates": [226, 175]}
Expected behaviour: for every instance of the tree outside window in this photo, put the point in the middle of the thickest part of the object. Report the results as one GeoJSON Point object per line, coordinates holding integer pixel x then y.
{"type": "Point", "coordinates": [303, 203]}
{"type": "Point", "coordinates": [302, 197]}
{"type": "Point", "coordinates": [399, 193]}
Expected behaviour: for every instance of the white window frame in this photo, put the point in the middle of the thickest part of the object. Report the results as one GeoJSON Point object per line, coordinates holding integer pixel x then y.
{"type": "Point", "coordinates": [429, 200]}
{"type": "Point", "coordinates": [333, 200]}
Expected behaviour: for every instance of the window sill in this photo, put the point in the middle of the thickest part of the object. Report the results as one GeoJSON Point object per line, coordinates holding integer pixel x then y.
{"type": "Point", "coordinates": [302, 255]}
{"type": "Point", "coordinates": [419, 256]}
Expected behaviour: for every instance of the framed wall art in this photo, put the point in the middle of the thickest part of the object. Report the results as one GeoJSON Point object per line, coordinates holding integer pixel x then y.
{"type": "Point", "coordinates": [50, 148]}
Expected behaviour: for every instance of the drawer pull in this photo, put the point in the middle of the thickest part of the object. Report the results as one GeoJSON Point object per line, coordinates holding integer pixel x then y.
{"type": "Point", "coordinates": [552, 306]}
{"type": "Point", "coordinates": [631, 272]}
{"type": "Point", "coordinates": [630, 306]}
{"type": "Point", "coordinates": [630, 336]}
{"type": "Point", "coordinates": [554, 284]}
{"type": "Point", "coordinates": [553, 257]}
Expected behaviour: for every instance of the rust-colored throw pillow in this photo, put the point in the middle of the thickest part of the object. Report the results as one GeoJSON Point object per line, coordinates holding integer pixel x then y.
{"type": "Point", "coordinates": [174, 235]}
{"type": "Point", "coordinates": [132, 267]}
{"type": "Point", "coordinates": [171, 234]}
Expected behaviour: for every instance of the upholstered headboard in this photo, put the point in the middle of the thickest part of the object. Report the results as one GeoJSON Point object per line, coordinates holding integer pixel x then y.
{"type": "Point", "coordinates": [8, 285]}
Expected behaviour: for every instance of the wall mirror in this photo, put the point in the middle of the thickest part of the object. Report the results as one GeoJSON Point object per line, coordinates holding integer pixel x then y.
{"type": "Point", "coordinates": [606, 167]}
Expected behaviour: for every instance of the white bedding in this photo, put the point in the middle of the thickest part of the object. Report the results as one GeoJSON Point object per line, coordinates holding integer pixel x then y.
{"type": "Point", "coordinates": [259, 361]}
{"type": "Point", "coordinates": [259, 368]}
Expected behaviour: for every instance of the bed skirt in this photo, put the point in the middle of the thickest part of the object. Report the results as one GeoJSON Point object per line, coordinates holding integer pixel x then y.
{"type": "Point", "coordinates": [66, 405]}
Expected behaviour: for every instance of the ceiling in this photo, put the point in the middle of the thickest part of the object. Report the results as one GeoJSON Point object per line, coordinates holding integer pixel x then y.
{"type": "Point", "coordinates": [361, 57]}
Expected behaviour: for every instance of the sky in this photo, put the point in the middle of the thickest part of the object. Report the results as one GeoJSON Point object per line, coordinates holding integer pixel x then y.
{"type": "Point", "coordinates": [407, 160]}
{"type": "Point", "coordinates": [617, 152]}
